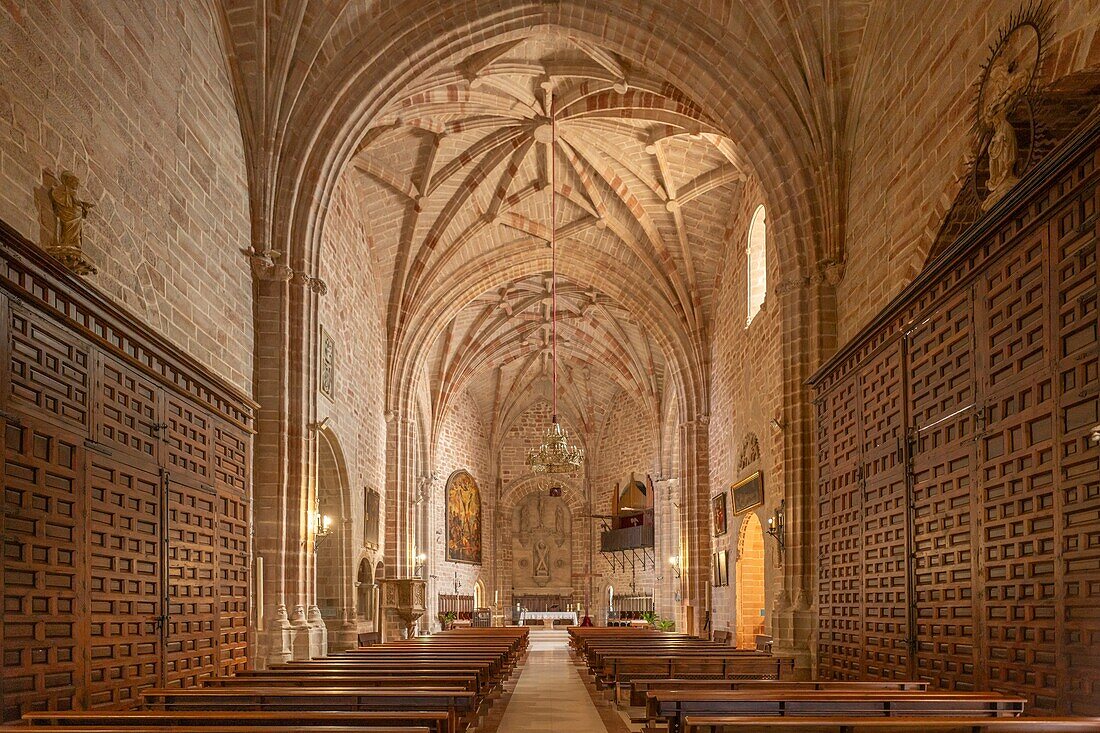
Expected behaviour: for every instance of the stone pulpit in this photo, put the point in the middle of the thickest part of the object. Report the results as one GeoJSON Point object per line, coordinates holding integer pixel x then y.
{"type": "Point", "coordinates": [406, 597]}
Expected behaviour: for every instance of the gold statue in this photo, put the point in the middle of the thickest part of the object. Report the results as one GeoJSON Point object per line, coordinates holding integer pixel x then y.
{"type": "Point", "coordinates": [71, 213]}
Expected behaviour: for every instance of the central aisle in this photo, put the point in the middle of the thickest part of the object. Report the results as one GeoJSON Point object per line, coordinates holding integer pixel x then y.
{"type": "Point", "coordinates": [550, 696]}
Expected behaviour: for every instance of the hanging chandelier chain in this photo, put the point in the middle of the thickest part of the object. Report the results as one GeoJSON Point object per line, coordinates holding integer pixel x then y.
{"type": "Point", "coordinates": [554, 454]}
{"type": "Point", "coordinates": [553, 254]}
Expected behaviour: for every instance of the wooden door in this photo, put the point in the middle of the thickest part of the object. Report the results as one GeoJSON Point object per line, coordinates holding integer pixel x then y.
{"type": "Point", "coordinates": [942, 408]}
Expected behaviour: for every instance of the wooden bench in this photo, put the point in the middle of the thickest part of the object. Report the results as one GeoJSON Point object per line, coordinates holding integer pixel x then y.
{"type": "Point", "coordinates": [429, 721]}
{"type": "Point", "coordinates": [924, 724]}
{"type": "Point", "coordinates": [321, 679]}
{"type": "Point", "coordinates": [672, 706]}
{"type": "Point", "coordinates": [223, 725]}
{"type": "Point", "coordinates": [616, 672]}
{"type": "Point", "coordinates": [461, 706]}
{"type": "Point", "coordinates": [639, 687]}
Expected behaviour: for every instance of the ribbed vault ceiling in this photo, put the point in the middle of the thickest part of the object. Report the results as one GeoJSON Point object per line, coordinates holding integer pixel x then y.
{"type": "Point", "coordinates": [457, 173]}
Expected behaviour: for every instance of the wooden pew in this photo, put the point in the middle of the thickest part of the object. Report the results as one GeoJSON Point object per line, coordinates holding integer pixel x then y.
{"type": "Point", "coordinates": [924, 724]}
{"type": "Point", "coordinates": [324, 679]}
{"type": "Point", "coordinates": [616, 672]}
{"type": "Point", "coordinates": [460, 705]}
{"type": "Point", "coordinates": [399, 721]}
{"type": "Point", "coordinates": [639, 687]}
{"type": "Point", "coordinates": [672, 706]}
{"type": "Point", "coordinates": [223, 725]}
{"type": "Point", "coordinates": [487, 681]}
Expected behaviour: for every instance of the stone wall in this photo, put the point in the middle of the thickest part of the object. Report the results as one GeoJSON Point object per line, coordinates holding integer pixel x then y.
{"type": "Point", "coordinates": [746, 394]}
{"type": "Point", "coordinates": [910, 131]}
{"type": "Point", "coordinates": [463, 445]}
{"type": "Point", "coordinates": [627, 444]}
{"type": "Point", "coordinates": [351, 313]}
{"type": "Point", "coordinates": [135, 99]}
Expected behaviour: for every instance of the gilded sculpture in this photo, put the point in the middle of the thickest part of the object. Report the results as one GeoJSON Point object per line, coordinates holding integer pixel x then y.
{"type": "Point", "coordinates": [70, 211]}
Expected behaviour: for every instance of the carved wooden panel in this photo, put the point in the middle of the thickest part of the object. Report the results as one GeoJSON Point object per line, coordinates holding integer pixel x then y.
{"type": "Point", "coordinates": [124, 583]}
{"type": "Point", "coordinates": [1019, 566]}
{"type": "Point", "coordinates": [127, 411]}
{"type": "Point", "coordinates": [44, 638]}
{"type": "Point", "coordinates": [1002, 382]}
{"type": "Point", "coordinates": [1076, 289]}
{"type": "Point", "coordinates": [188, 437]}
{"type": "Point", "coordinates": [941, 389]}
{"type": "Point", "coordinates": [233, 584]}
{"type": "Point", "coordinates": [1014, 323]}
{"type": "Point", "coordinates": [230, 464]}
{"type": "Point", "coordinates": [94, 407]}
{"type": "Point", "coordinates": [884, 515]}
{"type": "Point", "coordinates": [192, 635]}
{"type": "Point", "coordinates": [840, 642]}
{"type": "Point", "coordinates": [50, 371]}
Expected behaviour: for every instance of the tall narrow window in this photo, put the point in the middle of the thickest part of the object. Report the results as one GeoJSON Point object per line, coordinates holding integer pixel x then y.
{"type": "Point", "coordinates": [758, 265]}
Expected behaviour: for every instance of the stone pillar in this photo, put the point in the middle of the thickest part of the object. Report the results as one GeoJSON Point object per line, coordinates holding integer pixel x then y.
{"type": "Point", "coordinates": [695, 542]}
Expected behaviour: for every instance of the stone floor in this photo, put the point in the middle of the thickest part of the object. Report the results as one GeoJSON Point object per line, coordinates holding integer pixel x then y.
{"type": "Point", "coordinates": [549, 696]}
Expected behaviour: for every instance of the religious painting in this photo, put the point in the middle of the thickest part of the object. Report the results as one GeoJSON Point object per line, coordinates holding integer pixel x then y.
{"type": "Point", "coordinates": [542, 545]}
{"type": "Point", "coordinates": [463, 519]}
{"type": "Point", "coordinates": [721, 521]}
{"type": "Point", "coordinates": [326, 379]}
{"type": "Point", "coordinates": [748, 493]}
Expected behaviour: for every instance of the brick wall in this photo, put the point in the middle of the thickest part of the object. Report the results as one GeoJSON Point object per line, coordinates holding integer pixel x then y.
{"type": "Point", "coordinates": [627, 443]}
{"type": "Point", "coordinates": [463, 445]}
{"type": "Point", "coordinates": [352, 313]}
{"type": "Point", "coordinates": [134, 98]}
{"type": "Point", "coordinates": [910, 131]}
{"type": "Point", "coordinates": [746, 393]}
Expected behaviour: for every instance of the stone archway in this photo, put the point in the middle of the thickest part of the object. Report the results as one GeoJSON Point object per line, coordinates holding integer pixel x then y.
{"type": "Point", "coordinates": [335, 582]}
{"type": "Point", "coordinates": [751, 619]}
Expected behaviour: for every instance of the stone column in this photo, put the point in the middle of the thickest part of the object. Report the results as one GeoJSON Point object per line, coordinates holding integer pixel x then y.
{"type": "Point", "coordinates": [695, 542]}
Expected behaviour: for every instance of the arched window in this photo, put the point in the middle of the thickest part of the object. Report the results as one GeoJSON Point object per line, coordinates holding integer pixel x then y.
{"type": "Point", "coordinates": [758, 265]}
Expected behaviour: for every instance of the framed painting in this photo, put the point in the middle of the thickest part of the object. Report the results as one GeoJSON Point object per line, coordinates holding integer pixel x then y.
{"type": "Point", "coordinates": [463, 519]}
{"type": "Point", "coordinates": [715, 578]}
{"type": "Point", "coordinates": [748, 493]}
{"type": "Point", "coordinates": [721, 520]}
{"type": "Point", "coordinates": [724, 567]}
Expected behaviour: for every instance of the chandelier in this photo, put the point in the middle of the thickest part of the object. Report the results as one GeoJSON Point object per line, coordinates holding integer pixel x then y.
{"type": "Point", "coordinates": [554, 454]}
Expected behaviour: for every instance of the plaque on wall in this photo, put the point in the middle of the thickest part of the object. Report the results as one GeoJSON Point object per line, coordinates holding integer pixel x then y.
{"type": "Point", "coordinates": [326, 381]}
{"type": "Point", "coordinates": [748, 493]}
{"type": "Point", "coordinates": [723, 567]}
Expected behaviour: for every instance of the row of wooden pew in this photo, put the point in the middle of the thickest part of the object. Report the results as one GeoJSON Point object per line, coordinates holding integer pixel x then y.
{"type": "Point", "coordinates": [434, 684]}
{"type": "Point", "coordinates": [683, 684]}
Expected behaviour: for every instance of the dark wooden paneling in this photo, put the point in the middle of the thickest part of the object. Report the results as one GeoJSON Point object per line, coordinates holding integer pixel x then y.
{"type": "Point", "coordinates": [124, 583]}
{"type": "Point", "coordinates": [126, 501]}
{"type": "Point", "coordinates": [1000, 382]}
{"type": "Point", "coordinates": [45, 639]}
{"type": "Point", "coordinates": [191, 646]}
{"type": "Point", "coordinates": [941, 392]}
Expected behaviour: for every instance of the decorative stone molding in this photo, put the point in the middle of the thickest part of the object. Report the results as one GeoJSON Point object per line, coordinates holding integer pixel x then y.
{"type": "Point", "coordinates": [830, 271]}
{"type": "Point", "coordinates": [791, 285]}
{"type": "Point", "coordinates": [750, 451]}
{"type": "Point", "coordinates": [265, 267]}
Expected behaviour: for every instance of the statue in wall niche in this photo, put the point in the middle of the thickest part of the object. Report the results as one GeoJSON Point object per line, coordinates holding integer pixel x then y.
{"type": "Point", "coordinates": [559, 524]}
{"type": "Point", "coordinates": [1004, 86]}
{"type": "Point", "coordinates": [70, 212]}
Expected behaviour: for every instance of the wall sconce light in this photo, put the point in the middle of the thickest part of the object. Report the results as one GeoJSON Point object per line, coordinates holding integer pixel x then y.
{"type": "Point", "coordinates": [776, 525]}
{"type": "Point", "coordinates": [674, 563]}
{"type": "Point", "coordinates": [321, 524]}
{"type": "Point", "coordinates": [421, 560]}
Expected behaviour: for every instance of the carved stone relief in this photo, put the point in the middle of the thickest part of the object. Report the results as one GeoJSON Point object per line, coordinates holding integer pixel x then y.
{"type": "Point", "coordinates": [542, 545]}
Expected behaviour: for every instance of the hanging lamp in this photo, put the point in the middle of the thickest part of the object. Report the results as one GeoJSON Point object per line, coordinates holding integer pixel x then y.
{"type": "Point", "coordinates": [554, 454]}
